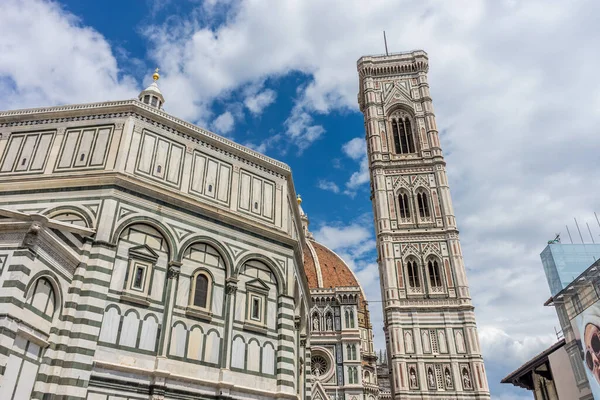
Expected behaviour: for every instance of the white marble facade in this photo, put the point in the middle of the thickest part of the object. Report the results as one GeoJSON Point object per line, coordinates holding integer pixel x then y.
{"type": "Point", "coordinates": [431, 336]}
{"type": "Point", "coordinates": [142, 257]}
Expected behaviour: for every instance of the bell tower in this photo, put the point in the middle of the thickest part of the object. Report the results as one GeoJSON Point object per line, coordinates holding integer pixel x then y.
{"type": "Point", "coordinates": [431, 336]}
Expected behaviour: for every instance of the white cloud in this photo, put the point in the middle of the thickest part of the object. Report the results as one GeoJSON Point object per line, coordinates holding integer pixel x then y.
{"type": "Point", "coordinates": [342, 237]}
{"type": "Point", "coordinates": [224, 123]}
{"type": "Point", "coordinates": [301, 130]}
{"type": "Point", "coordinates": [507, 350]}
{"type": "Point", "coordinates": [356, 149]}
{"type": "Point", "coordinates": [49, 58]}
{"type": "Point", "coordinates": [328, 185]}
{"type": "Point", "coordinates": [258, 102]}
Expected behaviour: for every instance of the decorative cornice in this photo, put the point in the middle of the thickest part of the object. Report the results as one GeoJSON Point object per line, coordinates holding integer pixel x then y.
{"type": "Point", "coordinates": [393, 64]}
{"type": "Point", "coordinates": [114, 109]}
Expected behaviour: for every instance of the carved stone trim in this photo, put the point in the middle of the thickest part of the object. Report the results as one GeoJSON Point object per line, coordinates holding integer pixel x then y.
{"type": "Point", "coordinates": [231, 285]}
{"type": "Point", "coordinates": [174, 270]}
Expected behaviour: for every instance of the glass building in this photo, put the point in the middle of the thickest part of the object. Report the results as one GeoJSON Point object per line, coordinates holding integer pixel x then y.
{"type": "Point", "coordinates": [565, 262]}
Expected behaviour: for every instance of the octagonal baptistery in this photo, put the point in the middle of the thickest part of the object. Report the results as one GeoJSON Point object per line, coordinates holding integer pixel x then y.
{"type": "Point", "coordinates": [144, 257]}
{"type": "Point", "coordinates": [343, 361]}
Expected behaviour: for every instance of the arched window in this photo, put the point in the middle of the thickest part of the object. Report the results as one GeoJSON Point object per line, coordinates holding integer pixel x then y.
{"type": "Point", "coordinates": [435, 278]}
{"type": "Point", "coordinates": [201, 290]}
{"type": "Point", "coordinates": [423, 204]}
{"type": "Point", "coordinates": [351, 319]}
{"type": "Point", "coordinates": [403, 205]}
{"type": "Point", "coordinates": [205, 267]}
{"type": "Point", "coordinates": [349, 351]}
{"type": "Point", "coordinates": [413, 274]}
{"type": "Point", "coordinates": [43, 298]}
{"type": "Point", "coordinates": [355, 375]}
{"type": "Point", "coordinates": [403, 136]}
{"type": "Point", "coordinates": [347, 319]}
{"type": "Point", "coordinates": [354, 352]}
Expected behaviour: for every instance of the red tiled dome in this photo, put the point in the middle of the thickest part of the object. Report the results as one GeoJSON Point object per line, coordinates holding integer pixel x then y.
{"type": "Point", "coordinates": [328, 270]}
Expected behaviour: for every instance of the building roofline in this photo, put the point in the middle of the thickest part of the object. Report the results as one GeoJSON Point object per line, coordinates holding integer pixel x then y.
{"type": "Point", "coordinates": [533, 363]}
{"type": "Point", "coordinates": [134, 105]}
{"type": "Point", "coordinates": [401, 55]}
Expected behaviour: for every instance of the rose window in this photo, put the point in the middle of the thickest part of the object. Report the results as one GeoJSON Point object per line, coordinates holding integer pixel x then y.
{"type": "Point", "coordinates": [319, 365]}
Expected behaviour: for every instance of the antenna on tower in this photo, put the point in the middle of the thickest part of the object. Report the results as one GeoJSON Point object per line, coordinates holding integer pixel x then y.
{"type": "Point", "coordinates": [569, 232]}
{"type": "Point", "coordinates": [385, 42]}
{"type": "Point", "coordinates": [590, 231]}
{"type": "Point", "coordinates": [577, 225]}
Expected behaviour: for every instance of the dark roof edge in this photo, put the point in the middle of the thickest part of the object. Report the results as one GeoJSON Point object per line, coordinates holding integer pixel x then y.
{"type": "Point", "coordinates": [534, 362]}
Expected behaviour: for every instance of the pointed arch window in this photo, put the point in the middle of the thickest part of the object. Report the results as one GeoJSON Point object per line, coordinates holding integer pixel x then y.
{"type": "Point", "coordinates": [404, 142]}
{"type": "Point", "coordinates": [351, 319]}
{"type": "Point", "coordinates": [349, 352]}
{"type": "Point", "coordinates": [423, 204]}
{"type": "Point", "coordinates": [403, 205]}
{"type": "Point", "coordinates": [347, 319]}
{"type": "Point", "coordinates": [354, 352]}
{"type": "Point", "coordinates": [435, 278]}
{"type": "Point", "coordinates": [413, 274]}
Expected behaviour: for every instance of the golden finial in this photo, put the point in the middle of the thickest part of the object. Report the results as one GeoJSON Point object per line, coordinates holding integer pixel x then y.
{"type": "Point", "coordinates": [299, 199]}
{"type": "Point", "coordinates": [156, 76]}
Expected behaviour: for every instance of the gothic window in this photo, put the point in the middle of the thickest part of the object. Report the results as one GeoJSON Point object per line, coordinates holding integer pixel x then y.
{"type": "Point", "coordinates": [351, 319]}
{"type": "Point", "coordinates": [352, 375]}
{"type": "Point", "coordinates": [42, 297]}
{"type": "Point", "coordinates": [354, 352]}
{"type": "Point", "coordinates": [423, 204]}
{"type": "Point", "coordinates": [349, 351]}
{"type": "Point", "coordinates": [347, 319]}
{"type": "Point", "coordinates": [403, 205]}
{"type": "Point", "coordinates": [413, 274]}
{"type": "Point", "coordinates": [403, 136]}
{"type": "Point", "coordinates": [435, 278]}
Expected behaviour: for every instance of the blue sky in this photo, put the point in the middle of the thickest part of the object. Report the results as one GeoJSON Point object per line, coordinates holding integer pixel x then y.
{"type": "Point", "coordinates": [514, 86]}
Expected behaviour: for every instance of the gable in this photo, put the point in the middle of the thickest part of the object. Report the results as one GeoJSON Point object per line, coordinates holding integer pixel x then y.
{"type": "Point", "coordinates": [143, 251]}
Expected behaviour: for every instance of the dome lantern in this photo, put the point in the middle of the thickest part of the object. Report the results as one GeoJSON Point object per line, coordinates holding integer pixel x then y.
{"type": "Point", "coordinates": [152, 95]}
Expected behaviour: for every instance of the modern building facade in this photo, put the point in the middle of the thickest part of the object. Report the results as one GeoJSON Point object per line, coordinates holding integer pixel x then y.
{"type": "Point", "coordinates": [431, 336]}
{"type": "Point", "coordinates": [142, 257]}
{"type": "Point", "coordinates": [343, 361]}
{"type": "Point", "coordinates": [577, 304]}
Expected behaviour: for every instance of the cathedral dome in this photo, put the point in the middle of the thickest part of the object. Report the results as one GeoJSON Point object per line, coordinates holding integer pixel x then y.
{"type": "Point", "coordinates": [325, 269]}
